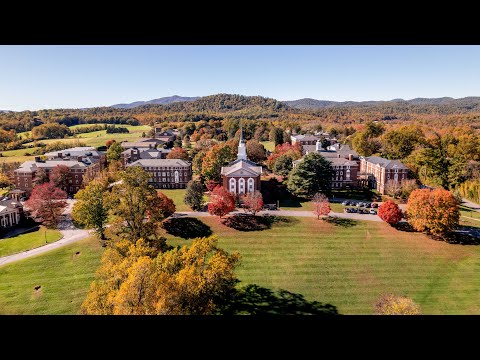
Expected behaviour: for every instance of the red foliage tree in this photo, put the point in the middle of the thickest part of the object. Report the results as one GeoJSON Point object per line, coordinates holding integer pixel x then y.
{"type": "Point", "coordinates": [390, 212]}
{"type": "Point", "coordinates": [321, 205]}
{"type": "Point", "coordinates": [165, 205]}
{"type": "Point", "coordinates": [46, 204]}
{"type": "Point", "coordinates": [178, 153]}
{"type": "Point", "coordinates": [60, 176]}
{"type": "Point", "coordinates": [294, 151]}
{"type": "Point", "coordinates": [212, 184]}
{"type": "Point", "coordinates": [253, 202]}
{"type": "Point", "coordinates": [221, 202]}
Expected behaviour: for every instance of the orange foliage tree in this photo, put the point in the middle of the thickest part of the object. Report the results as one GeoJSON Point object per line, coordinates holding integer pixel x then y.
{"type": "Point", "coordinates": [178, 153]}
{"type": "Point", "coordinates": [435, 211]}
{"type": "Point", "coordinates": [321, 205]}
{"type": "Point", "coordinates": [390, 212]}
{"type": "Point", "coordinates": [46, 204]}
{"type": "Point", "coordinates": [221, 202]}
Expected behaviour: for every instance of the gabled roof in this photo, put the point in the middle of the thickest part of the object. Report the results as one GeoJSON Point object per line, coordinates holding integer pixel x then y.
{"type": "Point", "coordinates": [307, 137]}
{"type": "Point", "coordinates": [76, 151]}
{"type": "Point", "coordinates": [31, 166]}
{"type": "Point", "coordinates": [244, 165]}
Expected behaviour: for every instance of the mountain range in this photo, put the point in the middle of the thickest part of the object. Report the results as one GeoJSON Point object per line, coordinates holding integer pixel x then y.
{"type": "Point", "coordinates": [159, 101]}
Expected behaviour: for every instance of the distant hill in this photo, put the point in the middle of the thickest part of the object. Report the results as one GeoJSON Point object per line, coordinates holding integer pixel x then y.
{"type": "Point", "coordinates": [160, 101]}
{"type": "Point", "coordinates": [308, 103]}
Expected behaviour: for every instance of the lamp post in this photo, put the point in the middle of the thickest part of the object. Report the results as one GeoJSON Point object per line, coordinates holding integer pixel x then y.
{"type": "Point", "coordinates": [45, 232]}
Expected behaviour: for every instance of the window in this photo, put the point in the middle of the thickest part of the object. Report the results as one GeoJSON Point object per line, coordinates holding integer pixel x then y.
{"type": "Point", "coordinates": [251, 185]}
{"type": "Point", "coordinates": [395, 177]}
{"type": "Point", "coordinates": [76, 176]}
{"type": "Point", "coordinates": [341, 178]}
{"type": "Point", "coordinates": [76, 181]}
{"type": "Point", "coordinates": [163, 174]}
{"type": "Point", "coordinates": [388, 176]}
{"type": "Point", "coordinates": [164, 180]}
{"type": "Point", "coordinates": [232, 185]}
{"type": "Point", "coordinates": [347, 174]}
{"type": "Point", "coordinates": [241, 186]}
{"type": "Point", "coordinates": [341, 172]}
{"type": "Point", "coordinates": [176, 176]}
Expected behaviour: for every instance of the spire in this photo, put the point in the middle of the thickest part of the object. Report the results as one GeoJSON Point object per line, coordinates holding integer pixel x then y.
{"type": "Point", "coordinates": [242, 150]}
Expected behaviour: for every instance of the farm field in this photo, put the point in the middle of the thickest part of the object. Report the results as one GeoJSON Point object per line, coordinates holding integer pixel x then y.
{"type": "Point", "coordinates": [268, 145]}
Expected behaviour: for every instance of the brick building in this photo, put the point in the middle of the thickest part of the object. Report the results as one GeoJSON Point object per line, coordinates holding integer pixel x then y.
{"type": "Point", "coordinates": [376, 171]}
{"type": "Point", "coordinates": [166, 173]}
{"type": "Point", "coordinates": [166, 136]}
{"type": "Point", "coordinates": [242, 175]}
{"type": "Point", "coordinates": [304, 139]}
{"type": "Point", "coordinates": [26, 173]}
{"type": "Point", "coordinates": [131, 155]}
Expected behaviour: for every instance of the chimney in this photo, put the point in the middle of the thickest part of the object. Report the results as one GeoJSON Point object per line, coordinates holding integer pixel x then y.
{"type": "Point", "coordinates": [60, 155]}
{"type": "Point", "coordinates": [318, 146]}
{"type": "Point", "coordinates": [37, 159]}
{"type": "Point", "coordinates": [149, 146]}
{"type": "Point", "coordinates": [80, 158]}
{"type": "Point", "coordinates": [350, 157]}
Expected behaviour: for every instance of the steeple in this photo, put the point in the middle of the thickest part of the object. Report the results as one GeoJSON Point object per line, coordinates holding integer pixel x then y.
{"type": "Point", "coordinates": [242, 150]}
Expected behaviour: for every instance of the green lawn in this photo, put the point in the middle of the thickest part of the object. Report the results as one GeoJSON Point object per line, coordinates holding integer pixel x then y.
{"type": "Point", "coordinates": [347, 265]}
{"type": "Point", "coordinates": [98, 138]}
{"type": "Point", "coordinates": [64, 277]}
{"type": "Point", "coordinates": [268, 145]}
{"type": "Point", "coordinates": [177, 196]}
{"type": "Point", "coordinates": [350, 267]}
{"type": "Point", "coordinates": [28, 241]}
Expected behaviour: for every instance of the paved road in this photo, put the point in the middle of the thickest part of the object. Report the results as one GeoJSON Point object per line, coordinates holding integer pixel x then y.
{"type": "Point", "coordinates": [69, 232]}
{"type": "Point", "coordinates": [471, 205]}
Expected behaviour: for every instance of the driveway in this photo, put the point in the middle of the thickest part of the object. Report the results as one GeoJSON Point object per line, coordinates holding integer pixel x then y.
{"type": "Point", "coordinates": [70, 235]}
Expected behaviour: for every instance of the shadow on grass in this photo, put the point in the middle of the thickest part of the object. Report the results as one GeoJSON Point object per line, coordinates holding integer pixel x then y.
{"type": "Point", "coordinates": [465, 235]}
{"type": "Point", "coordinates": [346, 223]}
{"type": "Point", "coordinates": [404, 226]}
{"type": "Point", "coordinates": [257, 300]}
{"type": "Point", "coordinates": [248, 222]}
{"type": "Point", "coordinates": [186, 228]}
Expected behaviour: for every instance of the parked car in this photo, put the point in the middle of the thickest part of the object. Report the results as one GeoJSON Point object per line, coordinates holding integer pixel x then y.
{"type": "Point", "coordinates": [345, 203]}
{"type": "Point", "coordinates": [373, 211]}
{"type": "Point", "coordinates": [374, 205]}
{"type": "Point", "coordinates": [368, 205]}
{"type": "Point", "coordinates": [270, 206]}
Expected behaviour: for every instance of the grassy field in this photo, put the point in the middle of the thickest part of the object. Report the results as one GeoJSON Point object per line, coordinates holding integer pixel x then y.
{"type": "Point", "coordinates": [346, 264]}
{"type": "Point", "coordinates": [28, 241]}
{"type": "Point", "coordinates": [98, 138]}
{"type": "Point", "coordinates": [177, 196]}
{"type": "Point", "coordinates": [351, 266]}
{"type": "Point", "coordinates": [64, 277]}
{"type": "Point", "coordinates": [268, 145]}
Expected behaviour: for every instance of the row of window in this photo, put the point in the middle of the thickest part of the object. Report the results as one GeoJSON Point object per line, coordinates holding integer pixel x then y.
{"type": "Point", "coordinates": [163, 168]}
{"type": "Point", "coordinates": [163, 173]}
{"type": "Point", "coordinates": [241, 185]}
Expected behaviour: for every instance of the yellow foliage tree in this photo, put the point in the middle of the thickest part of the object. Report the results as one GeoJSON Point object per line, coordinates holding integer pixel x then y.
{"type": "Point", "coordinates": [136, 279]}
{"type": "Point", "coordinates": [396, 305]}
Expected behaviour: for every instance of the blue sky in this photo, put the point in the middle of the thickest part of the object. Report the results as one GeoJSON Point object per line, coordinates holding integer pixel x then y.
{"type": "Point", "coordinates": [38, 77]}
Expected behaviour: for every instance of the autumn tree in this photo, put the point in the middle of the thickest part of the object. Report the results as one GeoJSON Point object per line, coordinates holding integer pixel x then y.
{"type": "Point", "coordinates": [253, 202]}
{"type": "Point", "coordinates": [136, 205]}
{"type": "Point", "coordinates": [287, 150]}
{"type": "Point", "coordinates": [109, 143]}
{"type": "Point", "coordinates": [4, 180]}
{"type": "Point", "coordinates": [393, 188]}
{"type": "Point", "coordinates": [313, 174]}
{"type": "Point", "coordinates": [60, 176]}
{"type": "Point", "coordinates": [221, 202]}
{"type": "Point", "coordinates": [114, 152]}
{"type": "Point", "coordinates": [138, 279]}
{"type": "Point", "coordinates": [435, 211]}
{"type": "Point", "coordinates": [321, 205]}
{"type": "Point", "coordinates": [46, 204]}
{"type": "Point", "coordinates": [390, 212]}
{"type": "Point", "coordinates": [407, 186]}
{"type": "Point", "coordinates": [197, 161]}
{"type": "Point", "coordinates": [399, 143]}
{"type": "Point", "coordinates": [218, 156]}
{"type": "Point", "coordinates": [390, 304]}
{"type": "Point", "coordinates": [178, 153]}
{"type": "Point", "coordinates": [41, 177]}
{"type": "Point", "coordinates": [90, 209]}
{"type": "Point", "coordinates": [255, 151]}
{"type": "Point", "coordinates": [194, 195]}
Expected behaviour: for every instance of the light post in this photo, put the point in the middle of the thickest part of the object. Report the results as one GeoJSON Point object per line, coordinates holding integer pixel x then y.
{"type": "Point", "coordinates": [45, 232]}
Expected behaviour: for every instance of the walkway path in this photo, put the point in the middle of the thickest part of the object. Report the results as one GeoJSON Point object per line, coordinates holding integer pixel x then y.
{"type": "Point", "coordinates": [70, 235]}
{"type": "Point", "coordinates": [471, 205]}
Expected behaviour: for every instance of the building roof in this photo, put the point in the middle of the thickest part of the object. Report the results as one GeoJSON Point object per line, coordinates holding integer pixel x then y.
{"type": "Point", "coordinates": [7, 205]}
{"type": "Point", "coordinates": [76, 151]}
{"type": "Point", "coordinates": [385, 163]}
{"type": "Point", "coordinates": [307, 137]}
{"type": "Point", "coordinates": [158, 141]}
{"type": "Point", "coordinates": [159, 162]}
{"type": "Point", "coordinates": [144, 144]}
{"type": "Point", "coordinates": [32, 166]}
{"type": "Point", "coordinates": [241, 165]}
{"type": "Point", "coordinates": [148, 152]}
{"type": "Point", "coordinates": [342, 162]}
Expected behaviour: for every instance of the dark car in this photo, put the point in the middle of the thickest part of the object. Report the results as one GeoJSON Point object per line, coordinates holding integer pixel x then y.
{"type": "Point", "coordinates": [345, 203]}
{"type": "Point", "coordinates": [368, 205]}
{"type": "Point", "coordinates": [374, 205]}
